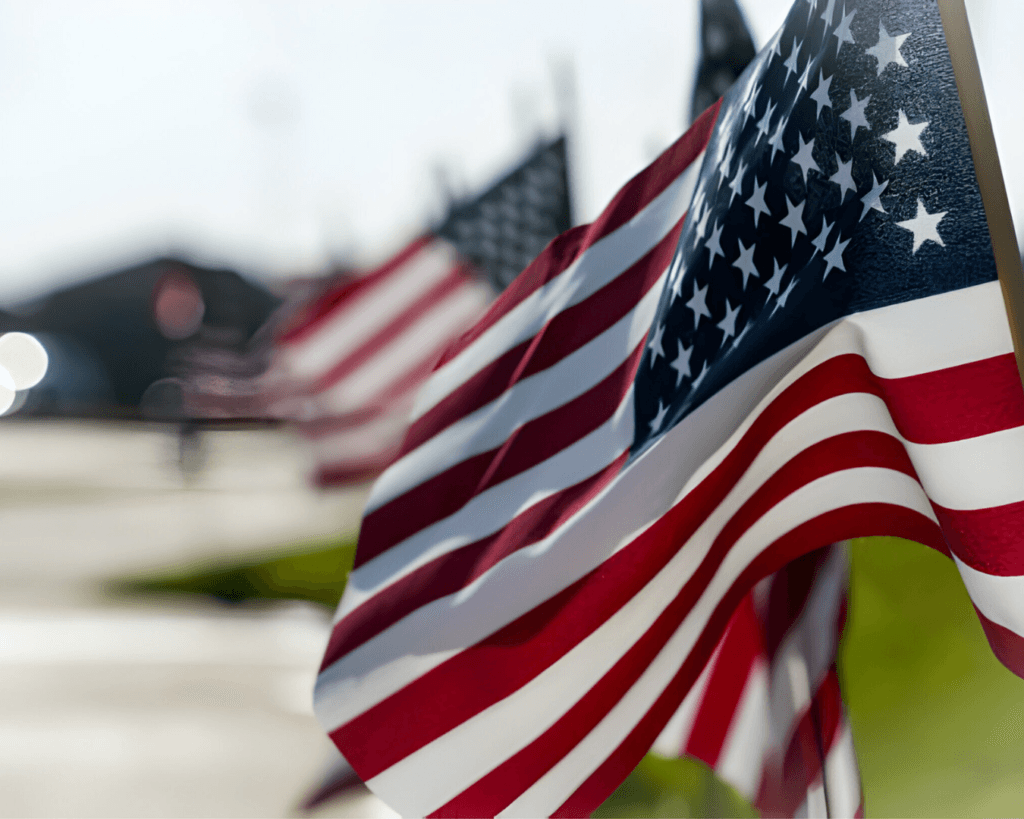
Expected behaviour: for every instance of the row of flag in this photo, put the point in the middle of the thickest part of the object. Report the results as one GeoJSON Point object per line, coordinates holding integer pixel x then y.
{"type": "Point", "coordinates": [612, 488]}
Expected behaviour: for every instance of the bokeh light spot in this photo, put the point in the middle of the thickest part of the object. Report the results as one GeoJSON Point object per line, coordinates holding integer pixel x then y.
{"type": "Point", "coordinates": [24, 359]}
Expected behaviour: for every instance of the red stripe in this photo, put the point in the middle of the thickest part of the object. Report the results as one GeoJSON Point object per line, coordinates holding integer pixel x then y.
{"type": "Point", "coordinates": [561, 336]}
{"type": "Point", "coordinates": [491, 670]}
{"type": "Point", "coordinates": [1007, 645]}
{"type": "Point", "coordinates": [457, 278]}
{"type": "Point", "coordinates": [534, 442]}
{"type": "Point", "coordinates": [860, 520]}
{"type": "Point", "coordinates": [741, 647]}
{"type": "Point", "coordinates": [634, 196]}
{"type": "Point", "coordinates": [989, 540]}
{"type": "Point", "coordinates": [957, 402]}
{"type": "Point", "coordinates": [456, 570]}
{"type": "Point", "coordinates": [324, 308]}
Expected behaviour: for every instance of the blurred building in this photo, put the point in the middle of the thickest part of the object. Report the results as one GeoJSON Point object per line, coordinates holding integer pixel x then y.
{"type": "Point", "coordinates": [127, 344]}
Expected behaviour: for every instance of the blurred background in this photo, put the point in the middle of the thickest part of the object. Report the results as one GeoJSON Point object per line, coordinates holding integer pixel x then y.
{"type": "Point", "coordinates": [184, 184]}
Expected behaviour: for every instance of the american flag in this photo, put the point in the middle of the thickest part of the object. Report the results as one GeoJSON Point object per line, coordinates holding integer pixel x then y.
{"type": "Point", "coordinates": [659, 413]}
{"type": "Point", "coordinates": [349, 360]}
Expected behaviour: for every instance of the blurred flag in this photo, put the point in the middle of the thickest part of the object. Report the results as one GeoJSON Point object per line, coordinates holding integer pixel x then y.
{"type": "Point", "coordinates": [766, 712]}
{"type": "Point", "coordinates": [348, 361]}
{"type": "Point", "coordinates": [656, 414]}
{"type": "Point", "coordinates": [726, 49]}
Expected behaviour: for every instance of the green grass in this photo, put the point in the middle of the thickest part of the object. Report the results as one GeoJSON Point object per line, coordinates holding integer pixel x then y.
{"type": "Point", "coordinates": [315, 572]}
{"type": "Point", "coordinates": [938, 722]}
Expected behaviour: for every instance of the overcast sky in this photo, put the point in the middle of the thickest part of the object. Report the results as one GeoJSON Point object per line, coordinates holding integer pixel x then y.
{"type": "Point", "coordinates": [275, 136]}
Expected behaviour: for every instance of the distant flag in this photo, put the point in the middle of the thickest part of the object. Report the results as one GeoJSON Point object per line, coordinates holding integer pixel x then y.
{"type": "Point", "coordinates": [726, 50]}
{"type": "Point", "coordinates": [766, 712]}
{"type": "Point", "coordinates": [659, 413]}
{"type": "Point", "coordinates": [348, 363]}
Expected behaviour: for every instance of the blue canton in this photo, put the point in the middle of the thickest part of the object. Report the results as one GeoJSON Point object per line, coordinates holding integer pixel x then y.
{"type": "Point", "coordinates": [839, 179]}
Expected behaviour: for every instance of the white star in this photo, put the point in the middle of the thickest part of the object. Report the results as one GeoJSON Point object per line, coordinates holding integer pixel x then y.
{"type": "Point", "coordinates": [775, 282]}
{"type": "Point", "coordinates": [699, 378]}
{"type": "Point", "coordinates": [776, 140]}
{"type": "Point", "coordinates": [822, 237]}
{"type": "Point", "coordinates": [745, 262]}
{"type": "Point", "coordinates": [723, 169]}
{"type": "Point", "coordinates": [820, 95]}
{"type": "Point", "coordinates": [784, 295]}
{"type": "Point", "coordinates": [698, 303]}
{"type": "Point", "coordinates": [775, 49]}
{"type": "Point", "coordinates": [805, 159]}
{"type": "Point", "coordinates": [728, 324]}
{"type": "Point", "coordinates": [906, 137]}
{"type": "Point", "coordinates": [702, 225]}
{"type": "Point", "coordinates": [855, 114]}
{"type": "Point", "coordinates": [654, 345]}
{"type": "Point", "coordinates": [834, 258]}
{"type": "Point", "coordinates": [794, 220]}
{"type": "Point", "coordinates": [750, 106]}
{"type": "Point", "coordinates": [843, 177]}
{"type": "Point", "coordinates": [924, 226]}
{"type": "Point", "coordinates": [714, 245]}
{"type": "Point", "coordinates": [810, 9]}
{"type": "Point", "coordinates": [676, 278]}
{"type": "Point", "coordinates": [794, 54]}
{"type": "Point", "coordinates": [736, 186]}
{"type": "Point", "coordinates": [756, 201]}
{"type": "Point", "coordinates": [873, 198]}
{"type": "Point", "coordinates": [659, 419]}
{"type": "Point", "coordinates": [887, 49]}
{"type": "Point", "coordinates": [681, 363]}
{"type": "Point", "coordinates": [806, 76]}
{"type": "Point", "coordinates": [829, 12]}
{"type": "Point", "coordinates": [765, 123]}
{"type": "Point", "coordinates": [843, 30]}
{"type": "Point", "coordinates": [739, 335]}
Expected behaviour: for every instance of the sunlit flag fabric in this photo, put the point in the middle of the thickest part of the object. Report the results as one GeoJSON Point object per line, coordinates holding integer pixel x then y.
{"type": "Point", "coordinates": [348, 362]}
{"type": "Point", "coordinates": [658, 413]}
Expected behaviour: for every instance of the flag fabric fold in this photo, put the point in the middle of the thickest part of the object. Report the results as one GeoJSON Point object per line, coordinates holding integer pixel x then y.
{"type": "Point", "coordinates": [659, 413]}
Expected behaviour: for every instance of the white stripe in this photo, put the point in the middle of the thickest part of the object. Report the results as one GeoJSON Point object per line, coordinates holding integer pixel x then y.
{"type": "Point", "coordinates": [832, 492]}
{"type": "Point", "coordinates": [672, 740]}
{"type": "Point", "coordinates": [361, 317]}
{"type": "Point", "coordinates": [494, 508]}
{"type": "Point", "coordinates": [923, 335]}
{"type": "Point", "coordinates": [975, 473]}
{"type": "Point", "coordinates": [598, 265]}
{"type": "Point", "coordinates": [842, 775]}
{"type": "Point", "coordinates": [742, 759]}
{"type": "Point", "coordinates": [489, 426]}
{"type": "Point", "coordinates": [406, 351]}
{"type": "Point", "coordinates": [999, 598]}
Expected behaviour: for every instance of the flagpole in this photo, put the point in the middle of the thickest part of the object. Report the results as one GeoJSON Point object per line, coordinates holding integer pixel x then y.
{"type": "Point", "coordinates": [986, 168]}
